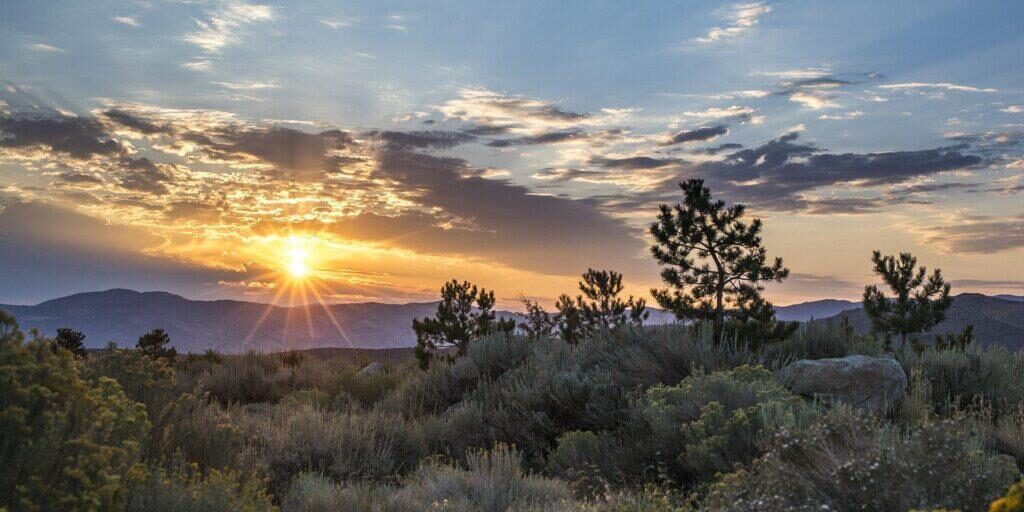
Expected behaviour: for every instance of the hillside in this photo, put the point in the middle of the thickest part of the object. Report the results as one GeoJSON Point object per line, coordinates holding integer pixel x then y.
{"type": "Point", "coordinates": [815, 309]}
{"type": "Point", "coordinates": [225, 325]}
{"type": "Point", "coordinates": [996, 321]}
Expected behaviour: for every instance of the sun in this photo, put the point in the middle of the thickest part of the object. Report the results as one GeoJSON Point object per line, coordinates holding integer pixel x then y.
{"type": "Point", "coordinates": [296, 258]}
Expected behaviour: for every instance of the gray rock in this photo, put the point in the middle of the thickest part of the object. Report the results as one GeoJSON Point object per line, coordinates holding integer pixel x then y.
{"type": "Point", "coordinates": [867, 383]}
{"type": "Point", "coordinates": [374, 368]}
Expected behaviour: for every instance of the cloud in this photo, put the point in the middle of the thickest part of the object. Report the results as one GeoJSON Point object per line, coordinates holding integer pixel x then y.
{"type": "Point", "coordinates": [910, 86]}
{"type": "Point", "coordinates": [146, 176]}
{"type": "Point", "coordinates": [635, 162]}
{"type": "Point", "coordinates": [515, 113]}
{"type": "Point", "coordinates": [740, 18]}
{"type": "Point", "coordinates": [1012, 109]}
{"type": "Point", "coordinates": [841, 116]}
{"type": "Point", "coordinates": [131, 21]}
{"type": "Point", "coordinates": [44, 48]}
{"type": "Point", "coordinates": [337, 23]}
{"type": "Point", "coordinates": [247, 86]}
{"type": "Point", "coordinates": [731, 112]}
{"type": "Point", "coordinates": [77, 137]}
{"type": "Point", "coordinates": [784, 174]}
{"type": "Point", "coordinates": [506, 222]}
{"type": "Point", "coordinates": [198, 65]}
{"type": "Point", "coordinates": [984, 235]}
{"type": "Point", "coordinates": [544, 138]}
{"type": "Point", "coordinates": [423, 139]}
{"type": "Point", "coordinates": [223, 26]}
{"type": "Point", "coordinates": [702, 134]}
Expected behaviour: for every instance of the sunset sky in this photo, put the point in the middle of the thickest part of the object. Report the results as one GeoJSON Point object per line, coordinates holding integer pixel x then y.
{"type": "Point", "coordinates": [202, 147]}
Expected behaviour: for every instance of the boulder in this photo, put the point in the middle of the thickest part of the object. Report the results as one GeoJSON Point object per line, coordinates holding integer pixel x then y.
{"type": "Point", "coordinates": [867, 383]}
{"type": "Point", "coordinates": [371, 369]}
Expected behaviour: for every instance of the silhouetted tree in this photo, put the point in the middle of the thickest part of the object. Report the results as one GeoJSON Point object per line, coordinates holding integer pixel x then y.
{"type": "Point", "coordinates": [714, 263]}
{"type": "Point", "coordinates": [457, 322]}
{"type": "Point", "coordinates": [157, 345]}
{"type": "Point", "coordinates": [599, 307]}
{"type": "Point", "coordinates": [918, 303]}
{"type": "Point", "coordinates": [537, 322]}
{"type": "Point", "coordinates": [70, 340]}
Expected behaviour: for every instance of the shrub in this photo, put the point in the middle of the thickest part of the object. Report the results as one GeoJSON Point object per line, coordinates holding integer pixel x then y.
{"type": "Point", "coordinates": [156, 490]}
{"type": "Point", "coordinates": [197, 432]}
{"type": "Point", "coordinates": [970, 379]}
{"type": "Point", "coordinates": [247, 379]}
{"type": "Point", "coordinates": [65, 444]}
{"type": "Point", "coordinates": [142, 378]}
{"type": "Point", "coordinates": [847, 462]}
{"type": "Point", "coordinates": [375, 446]}
{"type": "Point", "coordinates": [685, 434]}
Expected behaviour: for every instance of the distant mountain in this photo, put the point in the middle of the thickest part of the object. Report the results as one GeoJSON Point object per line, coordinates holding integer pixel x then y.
{"type": "Point", "coordinates": [1014, 298]}
{"type": "Point", "coordinates": [815, 309]}
{"type": "Point", "coordinates": [225, 325]}
{"type": "Point", "coordinates": [236, 326]}
{"type": "Point", "coordinates": [996, 321]}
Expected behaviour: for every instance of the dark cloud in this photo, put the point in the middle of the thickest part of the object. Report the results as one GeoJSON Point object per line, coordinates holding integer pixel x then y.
{"type": "Point", "coordinates": [484, 130]}
{"type": "Point", "coordinates": [507, 223]}
{"type": "Point", "coordinates": [635, 162]}
{"type": "Point", "coordinates": [129, 120]}
{"type": "Point", "coordinates": [76, 137]}
{"type": "Point", "coordinates": [701, 134]}
{"type": "Point", "coordinates": [778, 174]}
{"type": "Point", "coordinates": [437, 139]}
{"type": "Point", "coordinates": [145, 176]}
{"type": "Point", "coordinates": [544, 138]}
{"type": "Point", "coordinates": [986, 236]}
{"type": "Point", "coordinates": [561, 174]}
{"type": "Point", "coordinates": [721, 148]}
{"type": "Point", "coordinates": [77, 177]}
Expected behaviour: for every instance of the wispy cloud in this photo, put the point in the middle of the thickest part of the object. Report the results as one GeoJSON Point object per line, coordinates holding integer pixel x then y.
{"type": "Point", "coordinates": [223, 25]}
{"type": "Point", "coordinates": [247, 86]}
{"type": "Point", "coordinates": [1013, 109]}
{"type": "Point", "coordinates": [841, 116]}
{"type": "Point", "coordinates": [127, 20]}
{"type": "Point", "coordinates": [941, 85]}
{"type": "Point", "coordinates": [44, 48]}
{"type": "Point", "coordinates": [337, 23]}
{"type": "Point", "coordinates": [198, 65]}
{"type": "Point", "coordinates": [740, 18]}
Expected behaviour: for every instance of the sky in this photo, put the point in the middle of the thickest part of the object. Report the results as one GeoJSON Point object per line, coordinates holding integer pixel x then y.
{"type": "Point", "coordinates": [373, 150]}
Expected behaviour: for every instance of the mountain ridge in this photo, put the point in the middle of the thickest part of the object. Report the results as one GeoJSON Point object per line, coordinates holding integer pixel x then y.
{"type": "Point", "coordinates": [229, 325]}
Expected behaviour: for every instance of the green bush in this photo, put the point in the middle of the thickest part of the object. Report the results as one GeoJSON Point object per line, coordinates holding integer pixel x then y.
{"type": "Point", "coordinates": [156, 490]}
{"type": "Point", "coordinates": [247, 379]}
{"type": "Point", "coordinates": [971, 379]}
{"type": "Point", "coordinates": [198, 432]}
{"type": "Point", "coordinates": [684, 435]}
{"type": "Point", "coordinates": [375, 446]}
{"type": "Point", "coordinates": [144, 379]}
{"type": "Point", "coordinates": [65, 443]}
{"type": "Point", "coordinates": [847, 462]}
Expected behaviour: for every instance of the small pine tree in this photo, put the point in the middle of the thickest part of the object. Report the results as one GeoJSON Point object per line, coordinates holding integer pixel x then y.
{"type": "Point", "coordinates": [457, 322]}
{"type": "Point", "coordinates": [537, 323]}
{"type": "Point", "coordinates": [70, 340]}
{"type": "Point", "coordinates": [918, 303]}
{"type": "Point", "coordinates": [714, 262]}
{"type": "Point", "coordinates": [157, 345]}
{"type": "Point", "coordinates": [599, 307]}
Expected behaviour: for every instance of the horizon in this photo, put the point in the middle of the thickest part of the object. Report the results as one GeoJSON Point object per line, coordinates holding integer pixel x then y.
{"type": "Point", "coordinates": [266, 152]}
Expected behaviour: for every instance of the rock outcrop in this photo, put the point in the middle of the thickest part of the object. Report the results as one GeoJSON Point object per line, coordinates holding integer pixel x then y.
{"type": "Point", "coordinates": [867, 383]}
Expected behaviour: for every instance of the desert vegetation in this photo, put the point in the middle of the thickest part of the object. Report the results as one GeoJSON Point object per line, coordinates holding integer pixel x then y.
{"type": "Point", "coordinates": [583, 408]}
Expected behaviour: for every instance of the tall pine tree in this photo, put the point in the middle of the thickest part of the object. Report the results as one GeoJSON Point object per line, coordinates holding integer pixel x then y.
{"type": "Point", "coordinates": [714, 263]}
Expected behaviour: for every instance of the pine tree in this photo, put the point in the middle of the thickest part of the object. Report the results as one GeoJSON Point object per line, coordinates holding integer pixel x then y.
{"type": "Point", "coordinates": [537, 323]}
{"type": "Point", "coordinates": [714, 263]}
{"type": "Point", "coordinates": [919, 301]}
{"type": "Point", "coordinates": [70, 340]}
{"type": "Point", "coordinates": [599, 307]}
{"type": "Point", "coordinates": [157, 345]}
{"type": "Point", "coordinates": [457, 323]}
